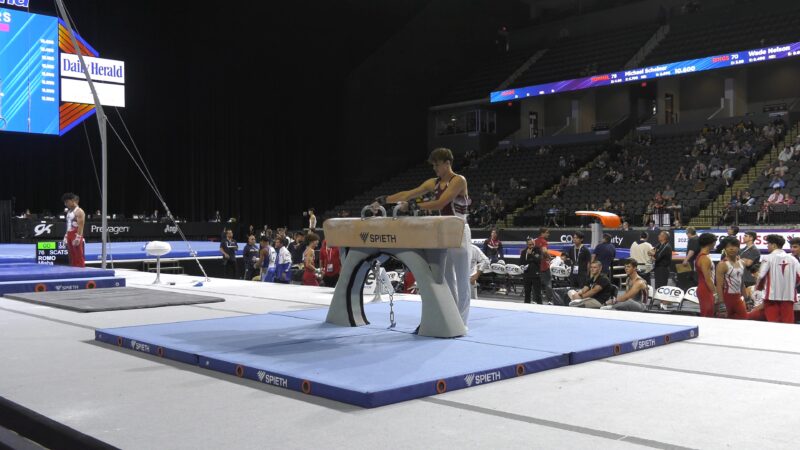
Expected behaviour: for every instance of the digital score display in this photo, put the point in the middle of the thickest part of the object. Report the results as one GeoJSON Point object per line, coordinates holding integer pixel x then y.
{"type": "Point", "coordinates": [52, 253]}
{"type": "Point", "coordinates": [29, 85]}
{"type": "Point", "coordinates": [653, 72]}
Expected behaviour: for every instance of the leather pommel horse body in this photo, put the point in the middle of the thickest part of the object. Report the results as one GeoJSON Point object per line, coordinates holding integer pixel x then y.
{"type": "Point", "coordinates": [420, 243]}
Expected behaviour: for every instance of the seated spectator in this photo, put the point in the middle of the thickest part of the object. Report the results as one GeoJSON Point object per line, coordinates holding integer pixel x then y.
{"type": "Point", "coordinates": [786, 154]}
{"type": "Point", "coordinates": [619, 178]}
{"type": "Point", "coordinates": [788, 199]}
{"type": "Point", "coordinates": [776, 197]}
{"type": "Point", "coordinates": [699, 171]}
{"type": "Point", "coordinates": [610, 176]}
{"type": "Point", "coordinates": [768, 172]}
{"type": "Point", "coordinates": [626, 226]}
{"type": "Point", "coordinates": [572, 180]}
{"type": "Point", "coordinates": [607, 204]}
{"type": "Point", "coordinates": [641, 162]}
{"type": "Point", "coordinates": [781, 169]}
{"type": "Point", "coordinates": [777, 183]}
{"type": "Point", "coordinates": [597, 291]}
{"type": "Point", "coordinates": [648, 212]}
{"type": "Point", "coordinates": [700, 186]}
{"type": "Point", "coordinates": [646, 177]}
{"type": "Point", "coordinates": [584, 174]}
{"type": "Point", "coordinates": [715, 167]}
{"type": "Point", "coordinates": [728, 173]}
{"type": "Point", "coordinates": [562, 162]}
{"type": "Point", "coordinates": [513, 183]}
{"type": "Point", "coordinates": [747, 199]}
{"type": "Point", "coordinates": [763, 213]}
{"type": "Point", "coordinates": [636, 296]}
{"type": "Point", "coordinates": [668, 193]}
{"type": "Point", "coordinates": [681, 174]}
{"type": "Point", "coordinates": [675, 209]}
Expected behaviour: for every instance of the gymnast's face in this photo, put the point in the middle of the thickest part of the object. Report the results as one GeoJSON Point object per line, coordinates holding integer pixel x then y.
{"type": "Point", "coordinates": [440, 167]}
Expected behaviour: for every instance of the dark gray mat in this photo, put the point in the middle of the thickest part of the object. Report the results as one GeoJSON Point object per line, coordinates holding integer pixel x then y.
{"type": "Point", "coordinates": [112, 299]}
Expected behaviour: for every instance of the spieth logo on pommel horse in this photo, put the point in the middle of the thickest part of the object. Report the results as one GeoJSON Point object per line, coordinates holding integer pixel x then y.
{"type": "Point", "coordinates": [420, 243]}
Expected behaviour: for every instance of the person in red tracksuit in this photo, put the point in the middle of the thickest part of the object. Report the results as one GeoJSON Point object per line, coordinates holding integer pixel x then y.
{"type": "Point", "coordinates": [330, 263]}
{"type": "Point", "coordinates": [705, 275]}
{"type": "Point", "coordinates": [74, 237]}
{"type": "Point", "coordinates": [310, 270]}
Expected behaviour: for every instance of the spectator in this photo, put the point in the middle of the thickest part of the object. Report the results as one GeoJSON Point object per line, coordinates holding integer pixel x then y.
{"type": "Point", "coordinates": [640, 251]}
{"type": "Point", "coordinates": [728, 173]}
{"type": "Point", "coordinates": [781, 169]}
{"type": "Point", "coordinates": [607, 204]}
{"type": "Point", "coordinates": [747, 199]}
{"type": "Point", "coordinates": [699, 171]}
{"type": "Point", "coordinates": [777, 182]}
{"type": "Point", "coordinates": [250, 257]}
{"type": "Point", "coordinates": [544, 274]}
{"type": "Point", "coordinates": [297, 248]}
{"type": "Point", "coordinates": [626, 226]}
{"type": "Point", "coordinates": [681, 176]}
{"type": "Point", "coordinates": [596, 291]}
{"type": "Point", "coordinates": [513, 183]}
{"type": "Point", "coordinates": [492, 247]}
{"type": "Point", "coordinates": [733, 231]}
{"type": "Point", "coordinates": [331, 264]}
{"type": "Point", "coordinates": [668, 193]}
{"type": "Point", "coordinates": [579, 257]}
{"type": "Point", "coordinates": [646, 177]}
{"type": "Point", "coordinates": [776, 197]}
{"type": "Point", "coordinates": [675, 209]}
{"type": "Point", "coordinates": [788, 199]}
{"type": "Point", "coordinates": [662, 256]}
{"type": "Point", "coordinates": [228, 248]}
{"type": "Point", "coordinates": [689, 279]}
{"type": "Point", "coordinates": [605, 252]}
{"type": "Point", "coordinates": [636, 296]}
{"type": "Point", "coordinates": [750, 256]}
{"type": "Point", "coordinates": [762, 217]}
{"type": "Point", "coordinates": [647, 217]}
{"type": "Point", "coordinates": [562, 162]}
{"type": "Point", "coordinates": [530, 257]}
{"type": "Point", "coordinates": [786, 154]}
{"type": "Point", "coordinates": [572, 180]}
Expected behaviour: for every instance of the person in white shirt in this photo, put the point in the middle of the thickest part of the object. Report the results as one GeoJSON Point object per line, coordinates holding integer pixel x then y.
{"type": "Point", "coordinates": [786, 154]}
{"type": "Point", "coordinates": [283, 262]}
{"type": "Point", "coordinates": [640, 251]}
{"type": "Point", "coordinates": [778, 277]}
{"type": "Point", "coordinates": [478, 264]}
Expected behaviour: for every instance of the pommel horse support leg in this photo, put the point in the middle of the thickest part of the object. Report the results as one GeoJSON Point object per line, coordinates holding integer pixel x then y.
{"type": "Point", "coordinates": [420, 243]}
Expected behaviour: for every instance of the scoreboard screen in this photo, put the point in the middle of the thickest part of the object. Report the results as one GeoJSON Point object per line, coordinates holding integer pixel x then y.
{"type": "Point", "coordinates": [52, 253]}
{"type": "Point", "coordinates": [29, 85]}
{"type": "Point", "coordinates": [653, 72]}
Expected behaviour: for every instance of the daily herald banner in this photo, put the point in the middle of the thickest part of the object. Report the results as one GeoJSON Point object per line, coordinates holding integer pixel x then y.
{"type": "Point", "coordinates": [681, 238]}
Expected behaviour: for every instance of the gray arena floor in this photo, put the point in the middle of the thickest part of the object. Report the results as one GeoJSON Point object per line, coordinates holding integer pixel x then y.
{"type": "Point", "coordinates": [736, 386]}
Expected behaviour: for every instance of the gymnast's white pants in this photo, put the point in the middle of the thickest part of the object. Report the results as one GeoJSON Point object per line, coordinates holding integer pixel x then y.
{"type": "Point", "coordinates": [457, 273]}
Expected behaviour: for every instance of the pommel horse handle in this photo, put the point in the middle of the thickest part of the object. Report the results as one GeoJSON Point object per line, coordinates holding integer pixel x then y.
{"type": "Point", "coordinates": [420, 243]}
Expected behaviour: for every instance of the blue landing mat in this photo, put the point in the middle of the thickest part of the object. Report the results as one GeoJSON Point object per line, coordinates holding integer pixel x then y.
{"type": "Point", "coordinates": [371, 366]}
{"type": "Point", "coordinates": [33, 271]}
{"type": "Point", "coordinates": [118, 251]}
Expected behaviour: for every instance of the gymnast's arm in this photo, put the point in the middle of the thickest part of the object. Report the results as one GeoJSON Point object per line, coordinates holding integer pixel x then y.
{"type": "Point", "coordinates": [404, 196]}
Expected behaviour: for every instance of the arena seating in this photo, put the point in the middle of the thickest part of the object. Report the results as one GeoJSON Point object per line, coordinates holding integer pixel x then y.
{"type": "Point", "coordinates": [665, 156]}
{"type": "Point", "coordinates": [487, 75]}
{"type": "Point", "coordinates": [692, 36]}
{"type": "Point", "coordinates": [534, 172]}
{"type": "Point", "coordinates": [568, 58]}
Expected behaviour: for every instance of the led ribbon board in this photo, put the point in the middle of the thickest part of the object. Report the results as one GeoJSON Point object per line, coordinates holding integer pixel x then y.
{"type": "Point", "coordinates": [653, 72]}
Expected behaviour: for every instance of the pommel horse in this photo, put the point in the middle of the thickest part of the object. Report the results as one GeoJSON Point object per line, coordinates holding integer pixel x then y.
{"type": "Point", "coordinates": [420, 243]}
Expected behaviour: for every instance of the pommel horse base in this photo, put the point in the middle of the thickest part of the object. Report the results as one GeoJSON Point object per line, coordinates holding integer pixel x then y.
{"type": "Point", "coordinates": [420, 243]}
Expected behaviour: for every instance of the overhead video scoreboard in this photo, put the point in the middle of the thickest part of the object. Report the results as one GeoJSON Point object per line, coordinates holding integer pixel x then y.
{"type": "Point", "coordinates": [653, 72]}
{"type": "Point", "coordinates": [43, 88]}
